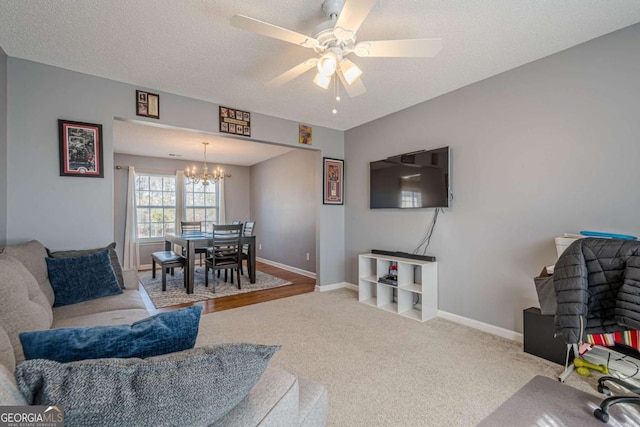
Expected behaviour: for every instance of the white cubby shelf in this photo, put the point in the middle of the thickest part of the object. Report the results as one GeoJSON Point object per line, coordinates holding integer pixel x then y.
{"type": "Point", "coordinates": [415, 296]}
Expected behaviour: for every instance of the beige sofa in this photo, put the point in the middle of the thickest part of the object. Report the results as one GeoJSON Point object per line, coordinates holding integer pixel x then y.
{"type": "Point", "coordinates": [26, 300]}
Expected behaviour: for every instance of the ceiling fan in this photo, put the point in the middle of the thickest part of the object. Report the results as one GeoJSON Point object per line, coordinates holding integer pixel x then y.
{"type": "Point", "coordinates": [334, 40]}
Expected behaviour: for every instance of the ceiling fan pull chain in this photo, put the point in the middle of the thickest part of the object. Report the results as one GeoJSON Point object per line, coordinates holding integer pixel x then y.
{"type": "Point", "coordinates": [336, 95]}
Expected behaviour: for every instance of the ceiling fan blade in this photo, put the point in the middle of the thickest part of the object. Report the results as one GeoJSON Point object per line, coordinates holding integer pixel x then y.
{"type": "Point", "coordinates": [416, 48]}
{"type": "Point", "coordinates": [354, 13]}
{"type": "Point", "coordinates": [354, 89]}
{"type": "Point", "coordinates": [273, 31]}
{"type": "Point", "coordinates": [291, 74]}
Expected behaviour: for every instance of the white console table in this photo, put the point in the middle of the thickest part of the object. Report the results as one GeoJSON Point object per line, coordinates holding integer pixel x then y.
{"type": "Point", "coordinates": [416, 280]}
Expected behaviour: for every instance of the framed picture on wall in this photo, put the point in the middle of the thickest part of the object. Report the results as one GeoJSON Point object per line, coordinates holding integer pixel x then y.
{"type": "Point", "coordinates": [80, 149]}
{"type": "Point", "coordinates": [333, 192]}
{"type": "Point", "coordinates": [147, 104]}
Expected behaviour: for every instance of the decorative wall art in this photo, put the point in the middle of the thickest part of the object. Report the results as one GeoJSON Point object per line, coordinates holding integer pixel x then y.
{"type": "Point", "coordinates": [235, 122]}
{"type": "Point", "coordinates": [147, 104]}
{"type": "Point", "coordinates": [80, 149]}
{"type": "Point", "coordinates": [333, 181]}
{"type": "Point", "coordinates": [305, 134]}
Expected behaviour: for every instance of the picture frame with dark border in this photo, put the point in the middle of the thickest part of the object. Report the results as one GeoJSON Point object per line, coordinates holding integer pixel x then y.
{"type": "Point", "coordinates": [235, 122]}
{"type": "Point", "coordinates": [80, 146]}
{"type": "Point", "coordinates": [147, 104]}
{"type": "Point", "coordinates": [333, 181]}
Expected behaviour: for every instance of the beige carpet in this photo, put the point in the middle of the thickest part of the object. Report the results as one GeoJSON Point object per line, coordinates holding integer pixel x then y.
{"type": "Point", "coordinates": [382, 369]}
{"type": "Point", "coordinates": [176, 294]}
{"type": "Point", "coordinates": [546, 402]}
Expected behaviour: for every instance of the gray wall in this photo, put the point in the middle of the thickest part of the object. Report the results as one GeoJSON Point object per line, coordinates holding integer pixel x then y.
{"type": "Point", "coordinates": [236, 194]}
{"type": "Point", "coordinates": [3, 147]}
{"type": "Point", "coordinates": [547, 148]}
{"type": "Point", "coordinates": [283, 204]}
{"type": "Point", "coordinates": [71, 212]}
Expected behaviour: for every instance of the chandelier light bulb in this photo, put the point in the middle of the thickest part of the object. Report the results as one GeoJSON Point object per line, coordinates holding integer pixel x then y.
{"type": "Point", "coordinates": [338, 98]}
{"type": "Point", "coordinates": [334, 111]}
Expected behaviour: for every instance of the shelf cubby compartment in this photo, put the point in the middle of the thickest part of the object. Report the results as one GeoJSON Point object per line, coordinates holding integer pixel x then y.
{"type": "Point", "coordinates": [367, 282]}
{"type": "Point", "coordinates": [416, 293]}
{"type": "Point", "coordinates": [385, 295]}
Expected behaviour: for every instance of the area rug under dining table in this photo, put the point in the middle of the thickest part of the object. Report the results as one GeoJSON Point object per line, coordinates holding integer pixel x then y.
{"type": "Point", "coordinates": [176, 293]}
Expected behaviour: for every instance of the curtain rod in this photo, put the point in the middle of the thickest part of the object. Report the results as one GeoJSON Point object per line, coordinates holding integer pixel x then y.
{"type": "Point", "coordinates": [120, 167]}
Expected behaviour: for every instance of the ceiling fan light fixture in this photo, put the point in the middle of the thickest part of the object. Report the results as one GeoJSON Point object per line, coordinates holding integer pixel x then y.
{"type": "Point", "coordinates": [327, 64]}
{"type": "Point", "coordinates": [350, 71]}
{"type": "Point", "coordinates": [322, 80]}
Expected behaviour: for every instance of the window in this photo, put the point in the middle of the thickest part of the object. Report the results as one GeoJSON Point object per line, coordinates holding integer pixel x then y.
{"type": "Point", "coordinates": [155, 205]}
{"type": "Point", "coordinates": [201, 204]}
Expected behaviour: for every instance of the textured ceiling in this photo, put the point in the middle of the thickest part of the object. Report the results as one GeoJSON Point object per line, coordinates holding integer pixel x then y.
{"type": "Point", "coordinates": [155, 141]}
{"type": "Point", "coordinates": [188, 47]}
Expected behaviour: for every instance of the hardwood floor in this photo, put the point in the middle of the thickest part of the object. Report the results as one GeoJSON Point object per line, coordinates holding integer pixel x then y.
{"type": "Point", "coordinates": [301, 285]}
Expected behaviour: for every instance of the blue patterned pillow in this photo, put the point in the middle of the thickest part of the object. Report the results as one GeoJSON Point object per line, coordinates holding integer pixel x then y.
{"type": "Point", "coordinates": [156, 335]}
{"type": "Point", "coordinates": [188, 388]}
{"type": "Point", "coordinates": [82, 278]}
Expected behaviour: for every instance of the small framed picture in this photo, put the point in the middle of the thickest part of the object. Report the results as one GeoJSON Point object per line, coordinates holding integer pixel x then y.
{"type": "Point", "coordinates": [333, 190]}
{"type": "Point", "coordinates": [147, 104]}
{"type": "Point", "coordinates": [305, 134]}
{"type": "Point", "coordinates": [235, 122]}
{"type": "Point", "coordinates": [80, 149]}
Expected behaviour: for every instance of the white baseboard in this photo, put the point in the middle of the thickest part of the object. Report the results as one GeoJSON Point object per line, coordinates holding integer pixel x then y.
{"type": "Point", "coordinates": [288, 268]}
{"type": "Point", "coordinates": [484, 327]}
{"type": "Point", "coordinates": [334, 286]}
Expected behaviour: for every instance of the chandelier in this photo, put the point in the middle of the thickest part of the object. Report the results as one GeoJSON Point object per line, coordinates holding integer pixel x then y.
{"type": "Point", "coordinates": [194, 177]}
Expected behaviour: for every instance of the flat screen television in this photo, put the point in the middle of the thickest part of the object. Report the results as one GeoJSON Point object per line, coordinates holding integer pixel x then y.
{"type": "Point", "coordinates": [413, 180]}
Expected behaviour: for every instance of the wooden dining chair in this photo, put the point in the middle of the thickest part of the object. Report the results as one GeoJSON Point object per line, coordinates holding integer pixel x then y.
{"type": "Point", "coordinates": [248, 230]}
{"type": "Point", "coordinates": [168, 261]}
{"type": "Point", "coordinates": [226, 253]}
{"type": "Point", "coordinates": [192, 227]}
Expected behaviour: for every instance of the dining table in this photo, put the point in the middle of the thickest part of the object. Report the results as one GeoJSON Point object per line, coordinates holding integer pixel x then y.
{"type": "Point", "coordinates": [191, 241]}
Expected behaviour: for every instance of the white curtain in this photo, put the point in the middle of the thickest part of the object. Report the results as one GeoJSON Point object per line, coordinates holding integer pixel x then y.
{"type": "Point", "coordinates": [131, 247]}
{"type": "Point", "coordinates": [222, 217]}
{"type": "Point", "coordinates": [180, 211]}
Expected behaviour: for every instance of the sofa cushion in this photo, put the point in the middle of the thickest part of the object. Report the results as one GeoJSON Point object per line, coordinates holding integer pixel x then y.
{"type": "Point", "coordinates": [106, 318]}
{"type": "Point", "coordinates": [32, 254]}
{"type": "Point", "coordinates": [127, 300]}
{"type": "Point", "coordinates": [9, 393]}
{"type": "Point", "coordinates": [160, 334]}
{"type": "Point", "coordinates": [313, 404]}
{"type": "Point", "coordinates": [82, 278]}
{"type": "Point", "coordinates": [273, 401]}
{"type": "Point", "coordinates": [7, 358]}
{"type": "Point", "coordinates": [23, 306]}
{"type": "Point", "coordinates": [113, 257]}
{"type": "Point", "coordinates": [192, 387]}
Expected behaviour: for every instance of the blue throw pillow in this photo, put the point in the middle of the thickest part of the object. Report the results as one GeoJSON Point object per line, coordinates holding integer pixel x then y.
{"type": "Point", "coordinates": [82, 278]}
{"type": "Point", "coordinates": [154, 336]}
